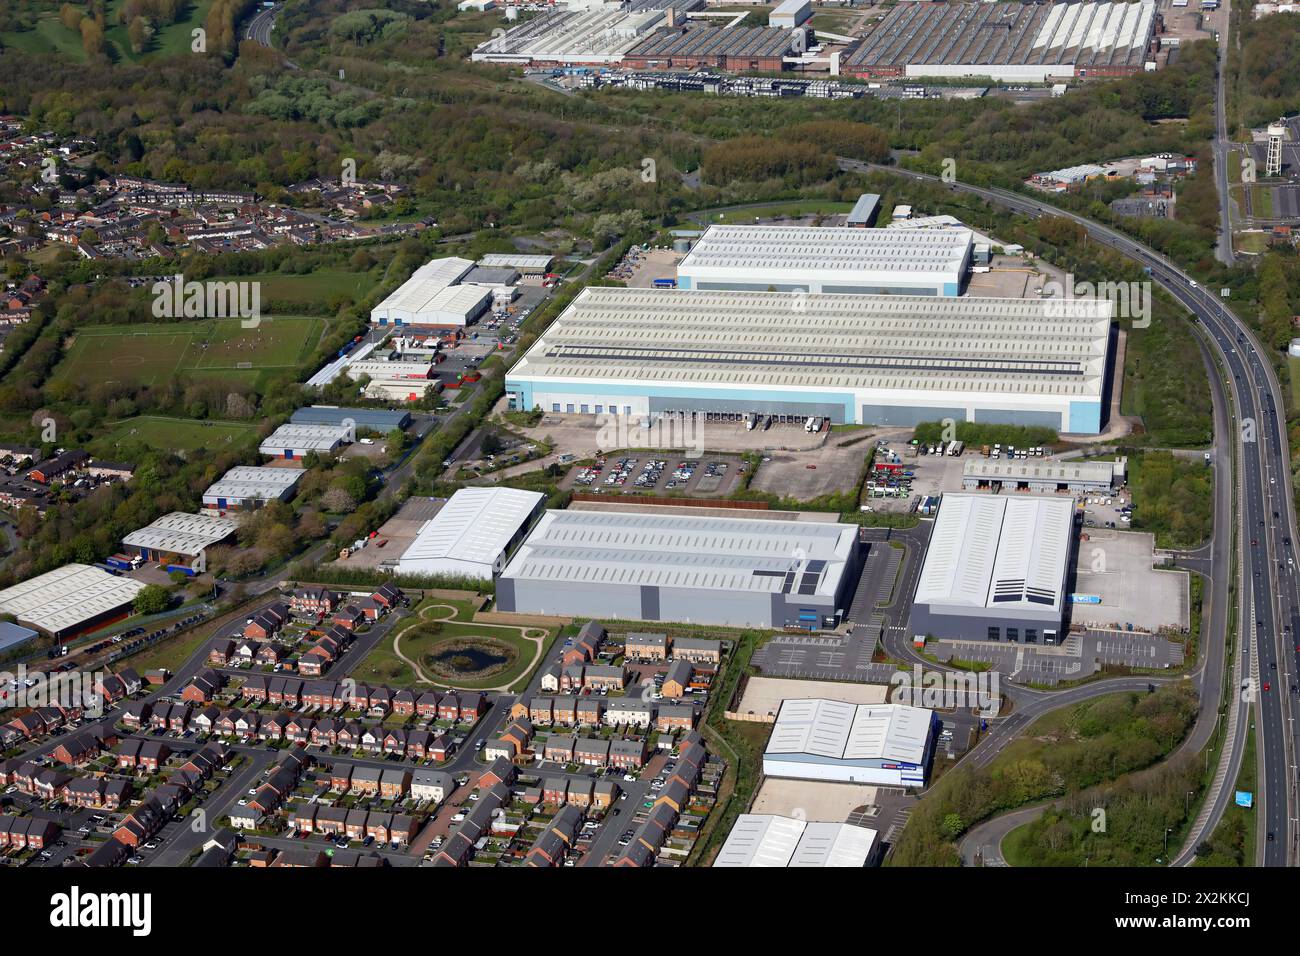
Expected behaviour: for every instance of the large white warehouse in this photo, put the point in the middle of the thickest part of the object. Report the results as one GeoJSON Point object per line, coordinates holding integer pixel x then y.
{"type": "Point", "coordinates": [432, 298]}
{"type": "Point", "coordinates": [473, 533]}
{"type": "Point", "coordinates": [819, 739]}
{"type": "Point", "coordinates": [883, 360]}
{"type": "Point", "coordinates": [642, 566]}
{"type": "Point", "coordinates": [827, 259]}
{"type": "Point", "coordinates": [995, 569]}
{"type": "Point", "coordinates": [70, 600]}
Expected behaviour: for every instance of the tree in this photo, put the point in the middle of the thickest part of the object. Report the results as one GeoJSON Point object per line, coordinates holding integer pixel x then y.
{"type": "Point", "coordinates": [92, 38]}
{"type": "Point", "coordinates": [152, 599]}
{"type": "Point", "coordinates": [338, 501]}
{"type": "Point", "coordinates": [952, 826]}
{"type": "Point", "coordinates": [138, 33]}
{"type": "Point", "coordinates": [71, 17]}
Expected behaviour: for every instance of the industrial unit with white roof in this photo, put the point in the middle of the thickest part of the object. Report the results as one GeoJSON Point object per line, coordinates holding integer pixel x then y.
{"type": "Point", "coordinates": [245, 487]}
{"type": "Point", "coordinates": [179, 539]}
{"type": "Point", "coordinates": [857, 359]}
{"type": "Point", "coordinates": [827, 259]}
{"type": "Point", "coordinates": [832, 740]}
{"type": "Point", "coordinates": [769, 840]}
{"type": "Point", "coordinates": [996, 569]}
{"type": "Point", "coordinates": [432, 297]}
{"type": "Point", "coordinates": [70, 600]}
{"type": "Point", "coordinates": [738, 572]}
{"type": "Point", "coordinates": [472, 534]}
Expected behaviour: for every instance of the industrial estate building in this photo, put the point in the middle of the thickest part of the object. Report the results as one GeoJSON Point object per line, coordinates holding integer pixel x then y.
{"type": "Point", "coordinates": [763, 839]}
{"type": "Point", "coordinates": [433, 298]}
{"type": "Point", "coordinates": [249, 486]}
{"type": "Point", "coordinates": [883, 360]}
{"type": "Point", "coordinates": [180, 540]}
{"type": "Point", "coordinates": [669, 567]}
{"type": "Point", "coordinates": [1009, 42]}
{"type": "Point", "coordinates": [526, 263]}
{"type": "Point", "coordinates": [827, 259]}
{"type": "Point", "coordinates": [294, 441]}
{"type": "Point", "coordinates": [473, 533]}
{"type": "Point", "coordinates": [994, 474]}
{"type": "Point", "coordinates": [831, 740]}
{"type": "Point", "coordinates": [644, 35]}
{"type": "Point", "coordinates": [374, 419]}
{"type": "Point", "coordinates": [995, 569]}
{"type": "Point", "coordinates": [70, 600]}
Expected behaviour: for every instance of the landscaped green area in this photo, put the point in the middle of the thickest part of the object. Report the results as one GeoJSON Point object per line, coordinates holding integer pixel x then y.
{"type": "Point", "coordinates": [173, 434]}
{"type": "Point", "coordinates": [169, 39]}
{"type": "Point", "coordinates": [440, 625]}
{"type": "Point", "coordinates": [51, 36]}
{"type": "Point", "coordinates": [1064, 751]}
{"type": "Point", "coordinates": [152, 353]}
{"type": "Point", "coordinates": [1261, 201]}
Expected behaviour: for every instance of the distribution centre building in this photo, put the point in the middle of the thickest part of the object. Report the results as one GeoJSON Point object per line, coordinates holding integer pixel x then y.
{"type": "Point", "coordinates": [1008, 42]}
{"type": "Point", "coordinates": [639, 566]}
{"type": "Point", "coordinates": [70, 600]}
{"type": "Point", "coordinates": [827, 259]}
{"type": "Point", "coordinates": [473, 533]}
{"type": "Point", "coordinates": [856, 359]}
{"type": "Point", "coordinates": [995, 569]}
{"type": "Point", "coordinates": [764, 839]}
{"type": "Point", "coordinates": [833, 740]}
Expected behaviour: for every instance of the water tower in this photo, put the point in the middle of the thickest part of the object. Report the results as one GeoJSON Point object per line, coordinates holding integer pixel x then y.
{"type": "Point", "coordinates": [1277, 132]}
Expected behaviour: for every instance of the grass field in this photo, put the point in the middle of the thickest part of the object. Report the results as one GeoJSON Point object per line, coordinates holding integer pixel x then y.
{"type": "Point", "coordinates": [50, 36]}
{"type": "Point", "coordinates": [172, 434]}
{"type": "Point", "coordinates": [303, 290]}
{"type": "Point", "coordinates": [151, 353]}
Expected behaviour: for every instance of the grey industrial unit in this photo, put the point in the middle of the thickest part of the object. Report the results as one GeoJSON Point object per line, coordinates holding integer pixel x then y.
{"type": "Point", "coordinates": [379, 419]}
{"type": "Point", "coordinates": [739, 572]}
{"type": "Point", "coordinates": [1043, 476]}
{"type": "Point", "coordinates": [995, 569]}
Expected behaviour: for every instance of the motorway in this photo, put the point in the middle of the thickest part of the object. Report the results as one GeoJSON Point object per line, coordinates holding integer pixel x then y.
{"type": "Point", "coordinates": [1267, 516]}
{"type": "Point", "coordinates": [260, 26]}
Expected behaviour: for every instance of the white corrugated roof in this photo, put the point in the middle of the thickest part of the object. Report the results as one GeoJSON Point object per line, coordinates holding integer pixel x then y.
{"type": "Point", "coordinates": [309, 436]}
{"type": "Point", "coordinates": [838, 730]}
{"type": "Point", "coordinates": [475, 525]}
{"type": "Point", "coordinates": [762, 839]}
{"type": "Point", "coordinates": [425, 283]}
{"type": "Point", "coordinates": [687, 551]}
{"type": "Point", "coordinates": [787, 249]}
{"type": "Point", "coordinates": [833, 844]}
{"type": "Point", "coordinates": [993, 551]}
{"type": "Point", "coordinates": [182, 533]}
{"type": "Point", "coordinates": [814, 340]}
{"type": "Point", "coordinates": [254, 481]}
{"type": "Point", "coordinates": [64, 598]}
